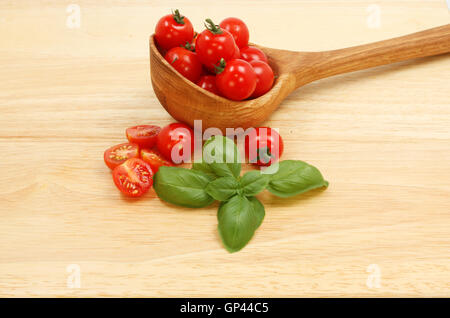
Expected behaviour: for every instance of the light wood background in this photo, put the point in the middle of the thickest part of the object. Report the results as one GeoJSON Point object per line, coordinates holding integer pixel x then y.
{"type": "Point", "coordinates": [381, 137]}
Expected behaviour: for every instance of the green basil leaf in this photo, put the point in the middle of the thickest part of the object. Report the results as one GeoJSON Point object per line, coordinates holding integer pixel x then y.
{"type": "Point", "coordinates": [294, 177]}
{"type": "Point", "coordinates": [253, 182]}
{"type": "Point", "coordinates": [205, 168]}
{"type": "Point", "coordinates": [182, 187]}
{"type": "Point", "coordinates": [223, 188]}
{"type": "Point", "coordinates": [238, 219]}
{"type": "Point", "coordinates": [258, 209]}
{"type": "Point", "coordinates": [223, 157]}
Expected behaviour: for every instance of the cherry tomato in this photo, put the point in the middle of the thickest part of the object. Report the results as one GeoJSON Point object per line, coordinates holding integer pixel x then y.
{"type": "Point", "coordinates": [237, 53]}
{"type": "Point", "coordinates": [185, 62]}
{"type": "Point", "coordinates": [264, 77]}
{"type": "Point", "coordinates": [263, 146]}
{"type": "Point", "coordinates": [154, 159]}
{"type": "Point", "coordinates": [237, 81]}
{"type": "Point", "coordinates": [178, 136]}
{"type": "Point", "coordinates": [143, 135]}
{"type": "Point", "coordinates": [208, 82]}
{"type": "Point", "coordinates": [251, 53]}
{"type": "Point", "coordinates": [133, 178]}
{"type": "Point", "coordinates": [118, 154]}
{"type": "Point", "coordinates": [238, 30]}
{"type": "Point", "coordinates": [214, 44]}
{"type": "Point", "coordinates": [173, 30]}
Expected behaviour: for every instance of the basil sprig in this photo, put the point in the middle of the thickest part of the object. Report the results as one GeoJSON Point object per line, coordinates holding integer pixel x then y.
{"type": "Point", "coordinates": [182, 187]}
{"type": "Point", "coordinates": [223, 188]}
{"type": "Point", "coordinates": [217, 177]}
{"type": "Point", "coordinates": [222, 157]}
{"type": "Point", "coordinates": [295, 177]}
{"type": "Point", "coordinates": [238, 219]}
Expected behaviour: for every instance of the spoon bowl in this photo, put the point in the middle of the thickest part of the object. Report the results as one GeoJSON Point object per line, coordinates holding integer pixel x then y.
{"type": "Point", "coordinates": [186, 101]}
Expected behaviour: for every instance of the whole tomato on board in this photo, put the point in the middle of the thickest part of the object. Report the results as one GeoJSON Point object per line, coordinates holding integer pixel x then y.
{"type": "Point", "coordinates": [185, 62]}
{"type": "Point", "coordinates": [264, 77]}
{"type": "Point", "coordinates": [252, 53]}
{"type": "Point", "coordinates": [154, 159]}
{"type": "Point", "coordinates": [208, 82]}
{"type": "Point", "coordinates": [118, 154]}
{"type": "Point", "coordinates": [133, 178]}
{"type": "Point", "coordinates": [238, 30]}
{"type": "Point", "coordinates": [263, 146]}
{"type": "Point", "coordinates": [173, 30]}
{"type": "Point", "coordinates": [236, 79]}
{"type": "Point", "coordinates": [143, 135]}
{"type": "Point", "coordinates": [176, 142]}
{"type": "Point", "coordinates": [214, 44]}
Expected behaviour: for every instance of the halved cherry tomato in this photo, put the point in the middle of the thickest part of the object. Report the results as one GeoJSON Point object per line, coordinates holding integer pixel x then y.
{"type": "Point", "coordinates": [143, 135]}
{"type": "Point", "coordinates": [178, 136]}
{"type": "Point", "coordinates": [154, 159]}
{"type": "Point", "coordinates": [252, 53]}
{"type": "Point", "coordinates": [236, 79]}
{"type": "Point", "coordinates": [173, 30]}
{"type": "Point", "coordinates": [214, 44]}
{"type": "Point", "coordinates": [208, 82]}
{"type": "Point", "coordinates": [118, 154]}
{"type": "Point", "coordinates": [185, 62]}
{"type": "Point", "coordinates": [133, 178]}
{"type": "Point", "coordinates": [238, 30]}
{"type": "Point", "coordinates": [264, 77]}
{"type": "Point", "coordinates": [263, 146]}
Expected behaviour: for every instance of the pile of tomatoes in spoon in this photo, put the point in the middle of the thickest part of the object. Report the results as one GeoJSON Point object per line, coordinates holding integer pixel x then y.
{"type": "Point", "coordinates": [218, 59]}
{"type": "Point", "coordinates": [149, 147]}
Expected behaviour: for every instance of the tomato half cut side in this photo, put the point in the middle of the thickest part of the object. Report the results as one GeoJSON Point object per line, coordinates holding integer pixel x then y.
{"type": "Point", "coordinates": [118, 154]}
{"type": "Point", "coordinates": [133, 178]}
{"type": "Point", "coordinates": [154, 159]}
{"type": "Point", "coordinates": [143, 135]}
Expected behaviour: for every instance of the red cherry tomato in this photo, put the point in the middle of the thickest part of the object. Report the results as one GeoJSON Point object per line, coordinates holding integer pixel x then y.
{"type": "Point", "coordinates": [133, 178]}
{"type": "Point", "coordinates": [208, 82]}
{"type": "Point", "coordinates": [237, 53]}
{"type": "Point", "coordinates": [264, 77]}
{"type": "Point", "coordinates": [185, 62]}
{"type": "Point", "coordinates": [154, 159]}
{"type": "Point", "coordinates": [173, 30]}
{"type": "Point", "coordinates": [178, 136]}
{"type": "Point", "coordinates": [214, 44]}
{"type": "Point", "coordinates": [251, 53]}
{"type": "Point", "coordinates": [238, 30]}
{"type": "Point", "coordinates": [263, 146]}
{"type": "Point", "coordinates": [143, 135]}
{"type": "Point", "coordinates": [118, 154]}
{"type": "Point", "coordinates": [237, 81]}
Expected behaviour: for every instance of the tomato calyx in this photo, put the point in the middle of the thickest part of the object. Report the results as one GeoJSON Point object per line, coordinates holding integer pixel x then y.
{"type": "Point", "coordinates": [188, 46]}
{"type": "Point", "coordinates": [178, 17]}
{"type": "Point", "coordinates": [264, 155]}
{"type": "Point", "coordinates": [221, 67]}
{"type": "Point", "coordinates": [213, 28]}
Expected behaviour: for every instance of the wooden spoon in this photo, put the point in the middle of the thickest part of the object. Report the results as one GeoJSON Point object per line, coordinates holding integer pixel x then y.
{"type": "Point", "coordinates": [187, 102]}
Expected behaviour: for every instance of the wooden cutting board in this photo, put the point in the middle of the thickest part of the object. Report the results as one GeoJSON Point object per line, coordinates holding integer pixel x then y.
{"type": "Point", "coordinates": [381, 137]}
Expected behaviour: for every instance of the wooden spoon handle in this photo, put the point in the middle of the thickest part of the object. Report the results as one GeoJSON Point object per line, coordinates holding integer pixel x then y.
{"type": "Point", "coordinates": [328, 63]}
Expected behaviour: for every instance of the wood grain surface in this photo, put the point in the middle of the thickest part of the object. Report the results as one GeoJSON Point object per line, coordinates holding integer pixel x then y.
{"type": "Point", "coordinates": [380, 136]}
